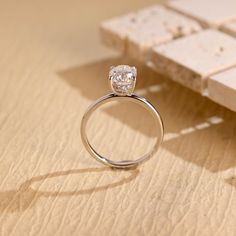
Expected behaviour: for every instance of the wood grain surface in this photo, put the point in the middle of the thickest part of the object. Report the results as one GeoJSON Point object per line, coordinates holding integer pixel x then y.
{"type": "Point", "coordinates": [52, 66]}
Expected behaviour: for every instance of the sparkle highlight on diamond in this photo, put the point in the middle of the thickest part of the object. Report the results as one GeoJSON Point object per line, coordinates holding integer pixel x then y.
{"type": "Point", "coordinates": [123, 79]}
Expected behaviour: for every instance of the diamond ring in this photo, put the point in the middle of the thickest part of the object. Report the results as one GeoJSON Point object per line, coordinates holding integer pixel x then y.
{"type": "Point", "coordinates": [122, 79]}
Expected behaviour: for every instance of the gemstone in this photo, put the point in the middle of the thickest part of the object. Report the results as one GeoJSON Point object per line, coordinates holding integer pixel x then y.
{"type": "Point", "coordinates": [123, 78]}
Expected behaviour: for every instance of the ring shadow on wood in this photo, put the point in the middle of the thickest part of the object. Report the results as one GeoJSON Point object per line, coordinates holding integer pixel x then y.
{"type": "Point", "coordinates": [187, 115]}
{"type": "Point", "coordinates": [26, 196]}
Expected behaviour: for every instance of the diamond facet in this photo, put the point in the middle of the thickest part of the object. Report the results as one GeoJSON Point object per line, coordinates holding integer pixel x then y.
{"type": "Point", "coordinates": [123, 79]}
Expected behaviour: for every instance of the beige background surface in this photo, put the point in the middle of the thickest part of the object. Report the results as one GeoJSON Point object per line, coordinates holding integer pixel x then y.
{"type": "Point", "coordinates": [52, 66]}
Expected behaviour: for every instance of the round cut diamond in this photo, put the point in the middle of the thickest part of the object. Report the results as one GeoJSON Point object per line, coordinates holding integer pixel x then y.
{"type": "Point", "coordinates": [123, 79]}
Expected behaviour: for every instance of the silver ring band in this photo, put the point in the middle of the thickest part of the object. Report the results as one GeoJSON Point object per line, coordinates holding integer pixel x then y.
{"type": "Point", "coordinates": [127, 163]}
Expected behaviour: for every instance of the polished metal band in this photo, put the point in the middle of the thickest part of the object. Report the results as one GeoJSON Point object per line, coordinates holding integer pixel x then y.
{"type": "Point", "coordinates": [124, 163]}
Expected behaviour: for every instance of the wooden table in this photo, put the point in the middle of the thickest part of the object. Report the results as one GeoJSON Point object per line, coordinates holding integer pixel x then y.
{"type": "Point", "coordinates": [52, 66]}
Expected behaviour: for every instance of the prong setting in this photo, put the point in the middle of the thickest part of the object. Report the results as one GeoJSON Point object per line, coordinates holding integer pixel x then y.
{"type": "Point", "coordinates": [122, 79]}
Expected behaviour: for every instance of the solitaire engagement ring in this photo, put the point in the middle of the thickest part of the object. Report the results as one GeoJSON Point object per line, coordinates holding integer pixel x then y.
{"type": "Point", "coordinates": [122, 80]}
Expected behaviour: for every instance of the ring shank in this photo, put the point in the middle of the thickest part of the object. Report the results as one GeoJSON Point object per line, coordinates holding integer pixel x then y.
{"type": "Point", "coordinates": [126, 163]}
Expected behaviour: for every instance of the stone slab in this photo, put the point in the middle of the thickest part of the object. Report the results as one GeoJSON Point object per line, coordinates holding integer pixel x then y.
{"type": "Point", "coordinates": [138, 32]}
{"type": "Point", "coordinates": [157, 25]}
{"type": "Point", "coordinates": [222, 88]}
{"type": "Point", "coordinates": [210, 13]}
{"type": "Point", "coordinates": [230, 28]}
{"type": "Point", "coordinates": [114, 31]}
{"type": "Point", "coordinates": [191, 60]}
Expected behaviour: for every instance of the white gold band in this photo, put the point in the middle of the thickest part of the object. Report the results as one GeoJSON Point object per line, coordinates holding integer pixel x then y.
{"type": "Point", "coordinates": [127, 163]}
